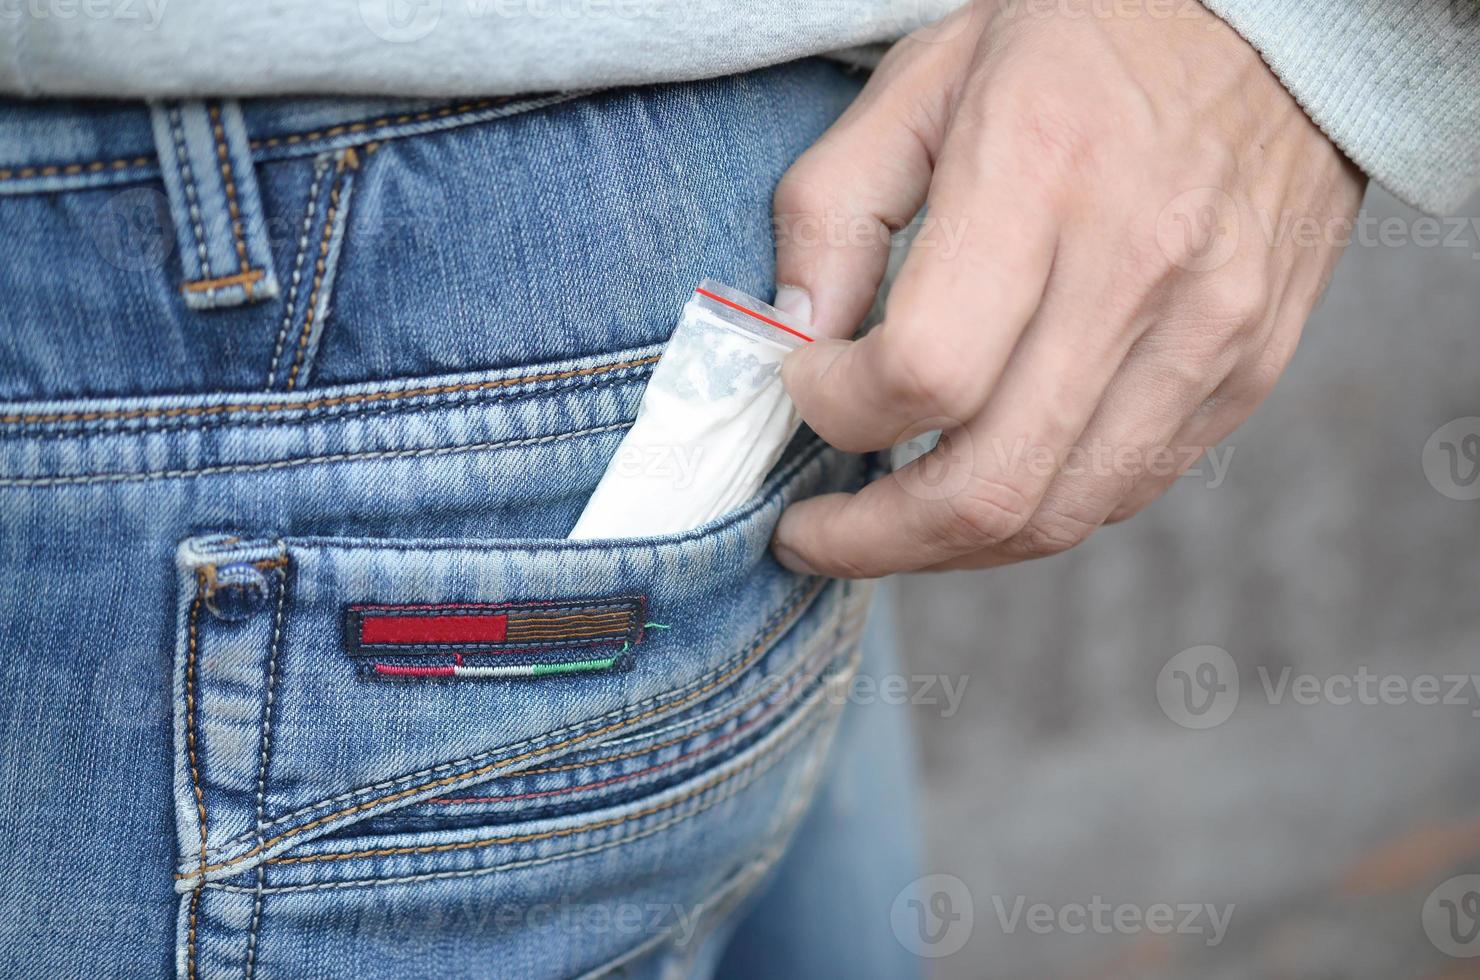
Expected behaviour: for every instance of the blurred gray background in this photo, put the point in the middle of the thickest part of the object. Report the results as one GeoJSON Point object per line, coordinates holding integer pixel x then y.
{"type": "Point", "coordinates": [1062, 781]}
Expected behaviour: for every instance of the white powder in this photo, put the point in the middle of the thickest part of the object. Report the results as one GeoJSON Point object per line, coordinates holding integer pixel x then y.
{"type": "Point", "coordinates": [713, 421]}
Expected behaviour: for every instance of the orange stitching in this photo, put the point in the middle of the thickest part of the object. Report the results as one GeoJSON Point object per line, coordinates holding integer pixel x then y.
{"type": "Point", "coordinates": [190, 941]}
{"type": "Point", "coordinates": [194, 631]}
{"type": "Point", "coordinates": [538, 626]}
{"type": "Point", "coordinates": [244, 278]}
{"type": "Point", "coordinates": [573, 629]}
{"type": "Point", "coordinates": [758, 650]}
{"type": "Point", "coordinates": [318, 403]}
{"type": "Point", "coordinates": [532, 616]}
{"type": "Point", "coordinates": [526, 838]}
{"type": "Point", "coordinates": [200, 800]}
{"type": "Point", "coordinates": [320, 266]}
{"type": "Point", "coordinates": [615, 632]}
{"type": "Point", "coordinates": [360, 127]}
{"type": "Point", "coordinates": [72, 169]}
{"type": "Point", "coordinates": [230, 182]}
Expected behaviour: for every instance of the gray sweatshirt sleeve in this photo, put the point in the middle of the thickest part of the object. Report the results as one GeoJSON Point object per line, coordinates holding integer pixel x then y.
{"type": "Point", "coordinates": [1394, 83]}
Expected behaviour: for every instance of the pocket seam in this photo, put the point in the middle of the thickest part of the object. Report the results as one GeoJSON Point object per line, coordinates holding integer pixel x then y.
{"type": "Point", "coordinates": [313, 409]}
{"type": "Point", "coordinates": [805, 725]}
{"type": "Point", "coordinates": [787, 616]}
{"type": "Point", "coordinates": [805, 670]}
{"type": "Point", "coordinates": [74, 479]}
{"type": "Point", "coordinates": [813, 718]}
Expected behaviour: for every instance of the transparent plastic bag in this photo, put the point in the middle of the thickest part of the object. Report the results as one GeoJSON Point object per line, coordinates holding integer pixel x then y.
{"type": "Point", "coordinates": [713, 421]}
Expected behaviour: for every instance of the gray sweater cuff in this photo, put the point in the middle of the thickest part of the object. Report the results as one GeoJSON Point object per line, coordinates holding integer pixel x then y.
{"type": "Point", "coordinates": [1394, 83]}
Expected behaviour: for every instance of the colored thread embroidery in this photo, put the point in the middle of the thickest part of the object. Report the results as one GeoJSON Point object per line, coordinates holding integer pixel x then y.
{"type": "Point", "coordinates": [529, 639]}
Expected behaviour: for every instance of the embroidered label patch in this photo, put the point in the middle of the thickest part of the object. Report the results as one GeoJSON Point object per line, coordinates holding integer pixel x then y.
{"type": "Point", "coordinates": [477, 639]}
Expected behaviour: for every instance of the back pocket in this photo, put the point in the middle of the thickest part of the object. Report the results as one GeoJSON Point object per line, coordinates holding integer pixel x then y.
{"type": "Point", "coordinates": [500, 723]}
{"type": "Point", "coordinates": [389, 675]}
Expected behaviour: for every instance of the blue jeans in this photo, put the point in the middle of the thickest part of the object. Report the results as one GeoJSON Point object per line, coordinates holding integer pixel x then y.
{"type": "Point", "coordinates": [298, 400]}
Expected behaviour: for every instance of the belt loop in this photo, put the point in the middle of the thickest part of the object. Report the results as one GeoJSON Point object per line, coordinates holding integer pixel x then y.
{"type": "Point", "coordinates": [206, 158]}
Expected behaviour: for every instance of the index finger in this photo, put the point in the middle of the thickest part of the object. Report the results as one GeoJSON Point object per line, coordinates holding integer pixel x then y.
{"type": "Point", "coordinates": [952, 321]}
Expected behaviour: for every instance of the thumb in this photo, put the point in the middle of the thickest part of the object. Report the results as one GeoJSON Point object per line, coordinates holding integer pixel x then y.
{"type": "Point", "coordinates": [836, 207]}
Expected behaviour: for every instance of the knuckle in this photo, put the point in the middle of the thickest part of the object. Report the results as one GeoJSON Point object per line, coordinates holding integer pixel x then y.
{"type": "Point", "coordinates": [803, 189]}
{"type": "Point", "coordinates": [929, 382]}
{"type": "Point", "coordinates": [1240, 299]}
{"type": "Point", "coordinates": [1051, 532]}
{"type": "Point", "coordinates": [987, 512]}
{"type": "Point", "coordinates": [1052, 133]}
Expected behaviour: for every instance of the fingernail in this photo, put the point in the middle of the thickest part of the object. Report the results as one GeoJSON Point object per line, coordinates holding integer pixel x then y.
{"type": "Point", "coordinates": [795, 302]}
{"type": "Point", "coordinates": [791, 560]}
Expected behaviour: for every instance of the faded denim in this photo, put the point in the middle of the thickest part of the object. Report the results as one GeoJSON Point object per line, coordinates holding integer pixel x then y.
{"type": "Point", "coordinates": [262, 361]}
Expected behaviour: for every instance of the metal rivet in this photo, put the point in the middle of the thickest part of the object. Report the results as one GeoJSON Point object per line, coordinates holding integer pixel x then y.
{"type": "Point", "coordinates": [238, 592]}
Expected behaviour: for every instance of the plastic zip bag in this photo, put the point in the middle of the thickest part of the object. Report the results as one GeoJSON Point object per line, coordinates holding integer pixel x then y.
{"type": "Point", "coordinates": [713, 421]}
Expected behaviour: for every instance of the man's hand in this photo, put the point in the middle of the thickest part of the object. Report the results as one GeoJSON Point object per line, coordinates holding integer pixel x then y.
{"type": "Point", "coordinates": [1101, 286]}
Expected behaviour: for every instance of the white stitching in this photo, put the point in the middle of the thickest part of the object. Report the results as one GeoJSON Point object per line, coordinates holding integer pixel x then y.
{"type": "Point", "coordinates": [272, 661]}
{"type": "Point", "coordinates": [178, 133]}
{"type": "Point", "coordinates": [321, 167]}
{"type": "Point", "coordinates": [757, 768]}
{"type": "Point", "coordinates": [793, 603]}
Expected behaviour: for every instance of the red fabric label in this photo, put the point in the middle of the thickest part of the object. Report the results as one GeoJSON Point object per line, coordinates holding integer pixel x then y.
{"type": "Point", "coordinates": [451, 628]}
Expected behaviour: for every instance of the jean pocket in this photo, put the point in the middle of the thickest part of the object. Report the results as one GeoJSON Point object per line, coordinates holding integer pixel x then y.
{"type": "Point", "coordinates": [456, 734]}
{"type": "Point", "coordinates": [329, 685]}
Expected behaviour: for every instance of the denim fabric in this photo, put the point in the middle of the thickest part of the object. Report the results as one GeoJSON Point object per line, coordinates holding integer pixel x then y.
{"type": "Point", "coordinates": [200, 777]}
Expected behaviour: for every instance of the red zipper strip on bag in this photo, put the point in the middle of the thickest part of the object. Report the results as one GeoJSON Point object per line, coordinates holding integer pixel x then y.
{"type": "Point", "coordinates": [747, 310]}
